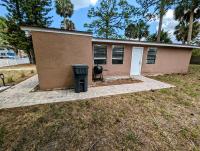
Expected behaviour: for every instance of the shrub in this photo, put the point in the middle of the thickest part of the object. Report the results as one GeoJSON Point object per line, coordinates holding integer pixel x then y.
{"type": "Point", "coordinates": [10, 79]}
{"type": "Point", "coordinates": [32, 71]}
{"type": "Point", "coordinates": [196, 52]}
{"type": "Point", "coordinates": [23, 75]}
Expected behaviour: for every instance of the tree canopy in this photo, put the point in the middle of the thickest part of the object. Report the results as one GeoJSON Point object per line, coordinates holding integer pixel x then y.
{"type": "Point", "coordinates": [25, 12]}
{"type": "Point", "coordinates": [110, 17]}
{"type": "Point", "coordinates": [164, 38]}
{"type": "Point", "coordinates": [137, 31]}
{"type": "Point", "coordinates": [181, 31]}
{"type": "Point", "coordinates": [64, 8]}
{"type": "Point", "coordinates": [153, 8]}
{"type": "Point", "coordinates": [188, 11]}
{"type": "Point", "coordinates": [3, 29]}
{"type": "Point", "coordinates": [29, 12]}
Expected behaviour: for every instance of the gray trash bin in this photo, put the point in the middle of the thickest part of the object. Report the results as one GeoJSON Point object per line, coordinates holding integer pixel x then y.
{"type": "Point", "coordinates": [80, 77]}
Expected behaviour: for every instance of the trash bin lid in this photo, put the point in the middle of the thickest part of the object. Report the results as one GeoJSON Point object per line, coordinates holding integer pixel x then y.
{"type": "Point", "coordinates": [79, 66]}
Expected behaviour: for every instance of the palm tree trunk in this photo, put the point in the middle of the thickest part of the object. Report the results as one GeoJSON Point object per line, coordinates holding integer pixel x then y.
{"type": "Point", "coordinates": [160, 27]}
{"type": "Point", "coordinates": [65, 23]}
{"type": "Point", "coordinates": [189, 38]}
{"type": "Point", "coordinates": [107, 29]}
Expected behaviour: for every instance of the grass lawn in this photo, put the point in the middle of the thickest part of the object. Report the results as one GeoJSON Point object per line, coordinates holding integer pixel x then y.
{"type": "Point", "coordinates": [16, 74]}
{"type": "Point", "coordinates": [167, 119]}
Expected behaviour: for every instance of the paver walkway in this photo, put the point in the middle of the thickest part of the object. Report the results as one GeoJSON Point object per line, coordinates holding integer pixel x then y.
{"type": "Point", "coordinates": [20, 95]}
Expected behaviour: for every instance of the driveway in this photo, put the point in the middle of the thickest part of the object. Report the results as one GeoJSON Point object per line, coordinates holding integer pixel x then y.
{"type": "Point", "coordinates": [21, 95]}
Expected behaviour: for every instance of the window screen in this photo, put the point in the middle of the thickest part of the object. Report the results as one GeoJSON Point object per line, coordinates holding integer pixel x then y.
{"type": "Point", "coordinates": [151, 56]}
{"type": "Point", "coordinates": [117, 54]}
{"type": "Point", "coordinates": [100, 54]}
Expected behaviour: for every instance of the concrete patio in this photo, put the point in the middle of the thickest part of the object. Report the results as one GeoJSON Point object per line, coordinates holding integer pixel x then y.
{"type": "Point", "coordinates": [21, 95]}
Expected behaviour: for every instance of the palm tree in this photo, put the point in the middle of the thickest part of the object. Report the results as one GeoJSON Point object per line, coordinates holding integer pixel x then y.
{"type": "Point", "coordinates": [188, 10]}
{"type": "Point", "coordinates": [197, 40]}
{"type": "Point", "coordinates": [68, 25]}
{"type": "Point", "coordinates": [164, 37]}
{"type": "Point", "coordinates": [181, 31]}
{"type": "Point", "coordinates": [153, 8]}
{"type": "Point", "coordinates": [65, 9]}
{"type": "Point", "coordinates": [138, 30]}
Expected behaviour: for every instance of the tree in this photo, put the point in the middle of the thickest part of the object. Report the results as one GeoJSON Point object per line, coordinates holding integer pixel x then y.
{"type": "Point", "coordinates": [159, 8]}
{"type": "Point", "coordinates": [36, 13]}
{"type": "Point", "coordinates": [29, 12]}
{"type": "Point", "coordinates": [3, 29]}
{"type": "Point", "coordinates": [181, 31]}
{"type": "Point", "coordinates": [25, 12]}
{"type": "Point", "coordinates": [110, 17]}
{"type": "Point", "coordinates": [188, 10]}
{"type": "Point", "coordinates": [197, 40]}
{"type": "Point", "coordinates": [65, 9]}
{"type": "Point", "coordinates": [137, 31]}
{"type": "Point", "coordinates": [164, 37]}
{"type": "Point", "coordinates": [17, 40]}
{"type": "Point", "coordinates": [69, 25]}
{"type": "Point", "coordinates": [14, 8]}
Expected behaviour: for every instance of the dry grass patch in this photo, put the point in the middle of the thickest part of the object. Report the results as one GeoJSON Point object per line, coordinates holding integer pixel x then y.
{"type": "Point", "coordinates": [166, 119]}
{"type": "Point", "coordinates": [15, 76]}
{"type": "Point", "coordinates": [17, 73]}
{"type": "Point", "coordinates": [22, 66]}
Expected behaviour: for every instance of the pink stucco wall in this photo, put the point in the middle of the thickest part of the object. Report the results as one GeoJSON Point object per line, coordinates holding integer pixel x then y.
{"type": "Point", "coordinates": [168, 60]}
{"type": "Point", "coordinates": [118, 69]}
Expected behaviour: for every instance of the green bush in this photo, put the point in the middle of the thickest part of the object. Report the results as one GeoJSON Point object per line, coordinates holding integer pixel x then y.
{"type": "Point", "coordinates": [196, 52]}
{"type": "Point", "coordinates": [10, 79]}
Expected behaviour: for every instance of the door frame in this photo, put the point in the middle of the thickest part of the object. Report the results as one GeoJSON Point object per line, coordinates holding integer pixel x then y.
{"type": "Point", "coordinates": [141, 60]}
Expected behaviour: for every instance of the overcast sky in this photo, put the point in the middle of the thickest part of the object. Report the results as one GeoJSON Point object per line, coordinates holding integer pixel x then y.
{"type": "Point", "coordinates": [80, 16]}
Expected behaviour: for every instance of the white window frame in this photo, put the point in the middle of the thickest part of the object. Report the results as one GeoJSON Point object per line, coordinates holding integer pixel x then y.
{"type": "Point", "coordinates": [100, 58]}
{"type": "Point", "coordinates": [155, 55]}
{"type": "Point", "coordinates": [118, 58]}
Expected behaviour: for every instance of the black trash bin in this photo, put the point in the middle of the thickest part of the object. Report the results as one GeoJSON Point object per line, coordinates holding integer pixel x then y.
{"type": "Point", "coordinates": [80, 77]}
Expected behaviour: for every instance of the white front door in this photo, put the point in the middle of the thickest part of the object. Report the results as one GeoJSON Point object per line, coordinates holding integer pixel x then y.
{"type": "Point", "coordinates": [136, 61]}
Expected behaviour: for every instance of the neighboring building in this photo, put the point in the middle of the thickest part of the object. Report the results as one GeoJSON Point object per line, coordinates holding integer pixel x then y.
{"type": "Point", "coordinates": [10, 54]}
{"type": "Point", "coordinates": [7, 53]}
{"type": "Point", "coordinates": [22, 54]}
{"type": "Point", "coordinates": [57, 50]}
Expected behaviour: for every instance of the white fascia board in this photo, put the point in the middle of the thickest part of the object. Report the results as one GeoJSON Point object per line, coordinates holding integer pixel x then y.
{"type": "Point", "coordinates": [54, 31]}
{"type": "Point", "coordinates": [143, 43]}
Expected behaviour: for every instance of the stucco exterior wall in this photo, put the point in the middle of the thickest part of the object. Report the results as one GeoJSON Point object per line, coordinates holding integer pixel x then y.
{"type": "Point", "coordinates": [168, 60]}
{"type": "Point", "coordinates": [55, 54]}
{"type": "Point", "coordinates": [118, 69]}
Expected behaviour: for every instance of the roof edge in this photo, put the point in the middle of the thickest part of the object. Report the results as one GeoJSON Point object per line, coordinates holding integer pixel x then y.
{"type": "Point", "coordinates": [143, 43]}
{"type": "Point", "coordinates": [55, 30]}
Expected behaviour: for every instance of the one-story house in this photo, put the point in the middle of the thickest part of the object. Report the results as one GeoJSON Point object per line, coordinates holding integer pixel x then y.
{"type": "Point", "coordinates": [57, 50]}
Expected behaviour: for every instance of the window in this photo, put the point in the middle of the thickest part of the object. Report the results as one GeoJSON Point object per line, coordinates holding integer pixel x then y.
{"type": "Point", "coordinates": [151, 56]}
{"type": "Point", "coordinates": [117, 54]}
{"type": "Point", "coordinates": [100, 54]}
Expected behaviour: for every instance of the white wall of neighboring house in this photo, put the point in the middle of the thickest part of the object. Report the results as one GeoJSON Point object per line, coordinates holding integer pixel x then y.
{"type": "Point", "coordinates": [8, 58]}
